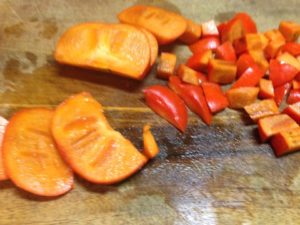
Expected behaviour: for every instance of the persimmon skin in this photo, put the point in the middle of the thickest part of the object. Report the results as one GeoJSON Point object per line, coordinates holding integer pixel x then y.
{"type": "Point", "coordinates": [117, 48]}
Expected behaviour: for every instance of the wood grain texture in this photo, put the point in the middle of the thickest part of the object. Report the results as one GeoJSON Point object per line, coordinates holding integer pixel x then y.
{"type": "Point", "coordinates": [209, 175]}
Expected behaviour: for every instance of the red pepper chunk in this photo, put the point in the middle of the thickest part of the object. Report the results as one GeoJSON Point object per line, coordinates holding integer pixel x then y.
{"type": "Point", "coordinates": [261, 109]}
{"type": "Point", "coordinates": [281, 73]}
{"type": "Point", "coordinates": [243, 63]}
{"type": "Point", "coordinates": [190, 76]}
{"type": "Point", "coordinates": [237, 27]}
{"type": "Point", "coordinates": [292, 48]}
{"type": "Point", "coordinates": [280, 92]}
{"type": "Point", "coordinates": [294, 96]}
{"type": "Point", "coordinates": [192, 33]}
{"type": "Point", "coordinates": [293, 111]}
{"type": "Point", "coordinates": [268, 126]}
{"type": "Point", "coordinates": [199, 61]}
{"type": "Point", "coordinates": [166, 65]}
{"type": "Point", "coordinates": [167, 104]}
{"type": "Point", "coordinates": [209, 28]}
{"type": "Point", "coordinates": [286, 141]}
{"type": "Point", "coordinates": [208, 43]}
{"type": "Point", "coordinates": [250, 78]}
{"type": "Point", "coordinates": [221, 71]}
{"type": "Point", "coordinates": [194, 98]}
{"type": "Point", "coordinates": [248, 23]}
{"type": "Point", "coordinates": [238, 98]}
{"type": "Point", "coordinates": [266, 89]}
{"type": "Point", "coordinates": [226, 52]}
{"type": "Point", "coordinates": [215, 98]}
{"type": "Point", "coordinates": [290, 30]}
{"type": "Point", "coordinates": [296, 84]}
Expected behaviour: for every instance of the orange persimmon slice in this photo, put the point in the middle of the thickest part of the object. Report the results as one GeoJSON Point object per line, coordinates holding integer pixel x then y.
{"type": "Point", "coordinates": [166, 26]}
{"type": "Point", "coordinates": [90, 146]}
{"type": "Point", "coordinates": [119, 48]}
{"type": "Point", "coordinates": [150, 146]}
{"type": "Point", "coordinates": [3, 123]}
{"type": "Point", "coordinates": [30, 157]}
{"type": "Point", "coordinates": [153, 45]}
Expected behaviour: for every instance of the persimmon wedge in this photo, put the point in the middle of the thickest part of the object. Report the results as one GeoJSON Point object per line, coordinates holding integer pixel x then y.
{"type": "Point", "coordinates": [90, 146]}
{"type": "Point", "coordinates": [3, 124]}
{"type": "Point", "coordinates": [118, 48]}
{"type": "Point", "coordinates": [30, 157]}
{"type": "Point", "coordinates": [166, 26]}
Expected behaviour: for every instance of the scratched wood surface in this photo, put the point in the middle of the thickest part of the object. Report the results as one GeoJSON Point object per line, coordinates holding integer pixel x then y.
{"type": "Point", "coordinates": [209, 175]}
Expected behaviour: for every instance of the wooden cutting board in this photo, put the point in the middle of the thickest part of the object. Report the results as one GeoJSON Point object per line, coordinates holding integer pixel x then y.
{"type": "Point", "coordinates": [209, 175]}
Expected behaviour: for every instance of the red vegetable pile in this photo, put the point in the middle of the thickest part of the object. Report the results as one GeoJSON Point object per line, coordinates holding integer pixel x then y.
{"type": "Point", "coordinates": [257, 70]}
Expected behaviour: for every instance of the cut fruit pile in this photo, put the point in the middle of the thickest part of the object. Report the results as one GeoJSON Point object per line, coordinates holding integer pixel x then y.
{"type": "Point", "coordinates": [231, 56]}
{"type": "Point", "coordinates": [42, 147]}
{"type": "Point", "coordinates": [257, 70]}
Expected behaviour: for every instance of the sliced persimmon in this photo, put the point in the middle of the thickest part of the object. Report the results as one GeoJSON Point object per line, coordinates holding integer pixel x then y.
{"type": "Point", "coordinates": [166, 26]}
{"type": "Point", "coordinates": [3, 123]}
{"type": "Point", "coordinates": [30, 157]}
{"type": "Point", "coordinates": [153, 45]}
{"type": "Point", "coordinates": [91, 147]}
{"type": "Point", "coordinates": [150, 146]}
{"type": "Point", "coordinates": [118, 48]}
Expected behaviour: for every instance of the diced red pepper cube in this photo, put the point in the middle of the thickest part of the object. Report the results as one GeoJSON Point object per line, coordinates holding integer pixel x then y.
{"type": "Point", "coordinates": [268, 126]}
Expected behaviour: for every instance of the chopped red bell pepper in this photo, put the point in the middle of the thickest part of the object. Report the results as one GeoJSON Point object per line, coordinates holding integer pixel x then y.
{"type": "Point", "coordinates": [289, 59]}
{"type": "Point", "coordinates": [192, 33]}
{"type": "Point", "coordinates": [166, 65]}
{"type": "Point", "coordinates": [266, 89]}
{"type": "Point", "coordinates": [262, 109]}
{"type": "Point", "coordinates": [280, 92]}
{"type": "Point", "coordinates": [167, 104]}
{"type": "Point", "coordinates": [292, 48]}
{"type": "Point", "coordinates": [208, 43]}
{"type": "Point", "coordinates": [221, 71]}
{"type": "Point", "coordinates": [268, 126]}
{"type": "Point", "coordinates": [238, 98]}
{"type": "Point", "coordinates": [248, 23]}
{"type": "Point", "coordinates": [226, 52]}
{"type": "Point", "coordinates": [281, 73]}
{"type": "Point", "coordinates": [293, 111]}
{"type": "Point", "coordinates": [260, 59]}
{"type": "Point", "coordinates": [199, 61]}
{"type": "Point", "coordinates": [250, 78]}
{"type": "Point", "coordinates": [209, 28]}
{"type": "Point", "coordinates": [273, 48]}
{"type": "Point", "coordinates": [221, 27]}
{"type": "Point", "coordinates": [273, 35]}
{"type": "Point", "coordinates": [215, 97]}
{"type": "Point", "coordinates": [286, 142]}
{"type": "Point", "coordinates": [190, 76]}
{"type": "Point", "coordinates": [290, 30]}
{"type": "Point", "coordinates": [193, 96]}
{"type": "Point", "coordinates": [237, 27]}
{"type": "Point", "coordinates": [233, 30]}
{"type": "Point", "coordinates": [296, 84]}
{"type": "Point", "coordinates": [243, 63]}
{"type": "Point", "coordinates": [294, 96]}
{"type": "Point", "coordinates": [250, 42]}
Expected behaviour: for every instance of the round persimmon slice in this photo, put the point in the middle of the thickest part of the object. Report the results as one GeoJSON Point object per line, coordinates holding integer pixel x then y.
{"type": "Point", "coordinates": [119, 48]}
{"type": "Point", "coordinates": [153, 45]}
{"type": "Point", "coordinates": [3, 123]}
{"type": "Point", "coordinates": [30, 156]}
{"type": "Point", "coordinates": [167, 26]}
{"type": "Point", "coordinates": [90, 146]}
